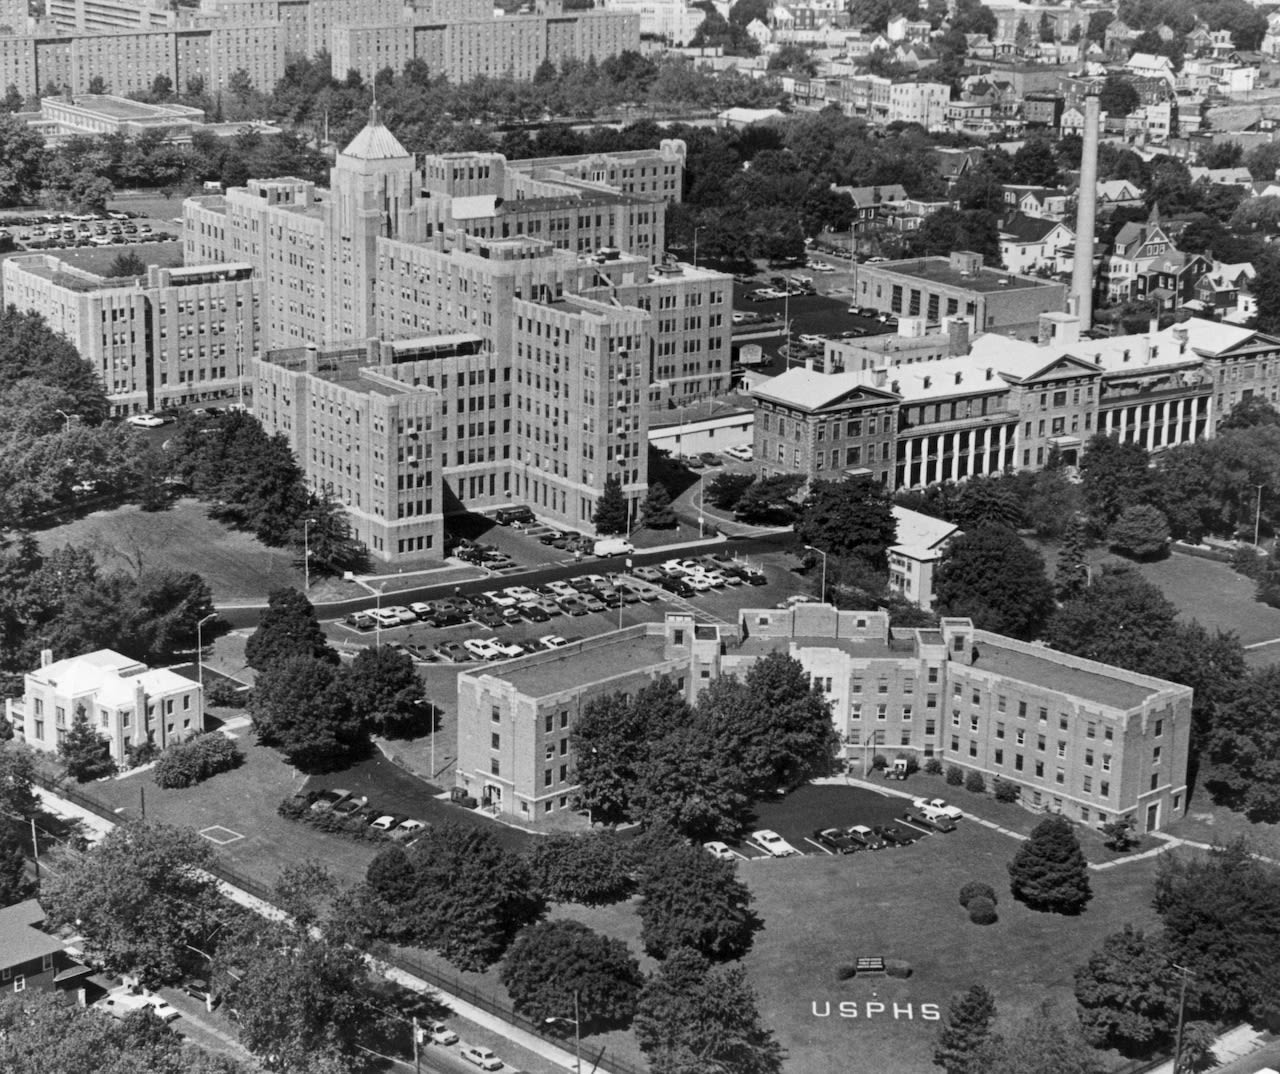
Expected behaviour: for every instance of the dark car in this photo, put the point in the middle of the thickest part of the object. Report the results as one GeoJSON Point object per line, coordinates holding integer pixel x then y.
{"type": "Point", "coordinates": [676, 586]}
{"type": "Point", "coordinates": [488, 617]}
{"type": "Point", "coordinates": [893, 835]}
{"type": "Point", "coordinates": [551, 538]}
{"type": "Point", "coordinates": [534, 614]}
{"type": "Point", "coordinates": [835, 840]}
{"type": "Point", "coordinates": [452, 650]}
{"type": "Point", "coordinates": [756, 578]}
{"type": "Point", "coordinates": [939, 823]}
{"type": "Point", "coordinates": [350, 807]}
{"type": "Point", "coordinates": [443, 618]}
{"type": "Point", "coordinates": [710, 458]}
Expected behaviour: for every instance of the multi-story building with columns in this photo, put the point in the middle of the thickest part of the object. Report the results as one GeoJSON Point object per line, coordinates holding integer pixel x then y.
{"type": "Point", "coordinates": [1073, 736]}
{"type": "Point", "coordinates": [1009, 404]}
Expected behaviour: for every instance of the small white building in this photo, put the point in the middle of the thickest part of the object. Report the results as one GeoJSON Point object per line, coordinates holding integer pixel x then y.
{"type": "Point", "coordinates": [125, 701]}
{"type": "Point", "coordinates": [921, 541]}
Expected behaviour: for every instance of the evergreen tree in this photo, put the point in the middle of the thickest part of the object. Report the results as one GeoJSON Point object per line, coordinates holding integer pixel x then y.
{"type": "Point", "coordinates": [15, 885]}
{"type": "Point", "coordinates": [288, 628]}
{"type": "Point", "coordinates": [611, 510]}
{"type": "Point", "coordinates": [1072, 574]}
{"type": "Point", "coordinates": [656, 510]}
{"type": "Point", "coordinates": [966, 1032]}
{"type": "Point", "coordinates": [1049, 871]}
{"type": "Point", "coordinates": [84, 752]}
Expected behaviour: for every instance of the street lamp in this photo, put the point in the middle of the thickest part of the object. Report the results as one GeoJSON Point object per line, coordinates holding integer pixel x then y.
{"type": "Point", "coordinates": [200, 650]}
{"type": "Point", "coordinates": [700, 227]}
{"type": "Point", "coordinates": [577, 1032]}
{"type": "Point", "coordinates": [1257, 513]}
{"type": "Point", "coordinates": [823, 554]}
{"type": "Point", "coordinates": [377, 620]}
{"type": "Point", "coordinates": [306, 554]}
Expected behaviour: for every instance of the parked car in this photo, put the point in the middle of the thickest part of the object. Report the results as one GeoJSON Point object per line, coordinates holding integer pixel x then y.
{"type": "Point", "coordinates": [407, 830]}
{"type": "Point", "coordinates": [678, 586]}
{"type": "Point", "coordinates": [482, 648]}
{"type": "Point", "coordinates": [451, 650]}
{"type": "Point", "coordinates": [481, 1057]}
{"type": "Point", "coordinates": [500, 598]}
{"type": "Point", "coordinates": [572, 605]}
{"type": "Point", "coordinates": [742, 452]}
{"type": "Point", "coordinates": [754, 577]}
{"type": "Point", "coordinates": [509, 650]}
{"type": "Point", "coordinates": [552, 641]}
{"type": "Point", "coordinates": [937, 805]}
{"type": "Point", "coordinates": [719, 850]}
{"type": "Point", "coordinates": [326, 800]}
{"type": "Point", "coordinates": [772, 844]}
{"type": "Point", "coordinates": [893, 835]}
{"type": "Point", "coordinates": [648, 574]}
{"type": "Point", "coordinates": [710, 458]}
{"type": "Point", "coordinates": [865, 837]}
{"type": "Point", "coordinates": [835, 840]}
{"type": "Point", "coordinates": [351, 806]}
{"type": "Point", "coordinates": [938, 822]}
{"type": "Point", "coordinates": [360, 621]}
{"type": "Point", "coordinates": [439, 1033]}
{"type": "Point", "coordinates": [145, 421]}
{"type": "Point", "coordinates": [488, 617]}
{"type": "Point", "coordinates": [388, 822]}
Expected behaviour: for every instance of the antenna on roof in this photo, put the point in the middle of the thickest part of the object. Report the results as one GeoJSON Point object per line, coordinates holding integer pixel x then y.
{"type": "Point", "coordinates": [373, 108]}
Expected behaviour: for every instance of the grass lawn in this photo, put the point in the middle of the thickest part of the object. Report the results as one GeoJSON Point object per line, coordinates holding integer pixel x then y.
{"type": "Point", "coordinates": [98, 259]}
{"type": "Point", "coordinates": [236, 565]}
{"type": "Point", "coordinates": [1206, 822]}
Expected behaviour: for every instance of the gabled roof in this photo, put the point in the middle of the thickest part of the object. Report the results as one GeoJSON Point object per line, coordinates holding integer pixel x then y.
{"type": "Point", "coordinates": [811, 390]}
{"type": "Point", "coordinates": [20, 940]}
{"type": "Point", "coordinates": [1027, 229]}
{"type": "Point", "coordinates": [375, 142]}
{"type": "Point", "coordinates": [920, 536]}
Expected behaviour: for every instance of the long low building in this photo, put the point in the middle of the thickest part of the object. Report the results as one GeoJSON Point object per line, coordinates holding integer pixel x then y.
{"type": "Point", "coordinates": [1074, 736]}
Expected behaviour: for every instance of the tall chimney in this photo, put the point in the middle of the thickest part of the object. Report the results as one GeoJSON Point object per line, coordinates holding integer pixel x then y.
{"type": "Point", "coordinates": [1086, 215]}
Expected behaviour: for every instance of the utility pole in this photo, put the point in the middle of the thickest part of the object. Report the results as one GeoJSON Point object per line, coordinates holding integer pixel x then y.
{"type": "Point", "coordinates": [417, 1062]}
{"type": "Point", "coordinates": [142, 801]}
{"type": "Point", "coordinates": [1182, 1012]}
{"type": "Point", "coordinates": [1257, 514]}
{"type": "Point", "coordinates": [35, 849]}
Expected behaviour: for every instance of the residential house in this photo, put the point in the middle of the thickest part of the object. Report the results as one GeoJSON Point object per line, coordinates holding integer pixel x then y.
{"type": "Point", "coordinates": [972, 117]}
{"type": "Point", "coordinates": [1136, 247]}
{"type": "Point", "coordinates": [1072, 121]}
{"type": "Point", "coordinates": [1043, 109]}
{"type": "Point", "coordinates": [872, 202]}
{"type": "Point", "coordinates": [1170, 280]}
{"type": "Point", "coordinates": [1118, 37]}
{"type": "Point", "coordinates": [31, 958]}
{"type": "Point", "coordinates": [1032, 243]}
{"type": "Point", "coordinates": [919, 544]}
{"type": "Point", "coordinates": [1118, 193]}
{"type": "Point", "coordinates": [950, 164]}
{"type": "Point", "coordinates": [1218, 290]}
{"type": "Point", "coordinates": [924, 103]}
{"type": "Point", "coordinates": [1240, 177]}
{"type": "Point", "coordinates": [1149, 65]}
{"type": "Point", "coordinates": [1043, 201]}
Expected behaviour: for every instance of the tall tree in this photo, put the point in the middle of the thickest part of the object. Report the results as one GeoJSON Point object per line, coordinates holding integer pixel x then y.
{"type": "Point", "coordinates": [385, 691]}
{"type": "Point", "coordinates": [142, 898]}
{"type": "Point", "coordinates": [992, 576]}
{"type": "Point", "coordinates": [685, 781]}
{"type": "Point", "coordinates": [15, 885]}
{"type": "Point", "coordinates": [611, 509]}
{"type": "Point", "coordinates": [853, 517]}
{"type": "Point", "coordinates": [300, 705]}
{"type": "Point", "coordinates": [1044, 1043]}
{"type": "Point", "coordinates": [561, 970]}
{"type": "Point", "coordinates": [1072, 574]}
{"type": "Point", "coordinates": [85, 754]}
{"type": "Point", "coordinates": [656, 511]}
{"type": "Point", "coordinates": [1049, 871]}
{"type": "Point", "coordinates": [966, 1033]}
{"type": "Point", "coordinates": [1141, 531]}
{"type": "Point", "coordinates": [1115, 476]}
{"type": "Point", "coordinates": [1128, 993]}
{"type": "Point", "coordinates": [608, 746]}
{"type": "Point", "coordinates": [693, 1017]}
{"type": "Point", "coordinates": [690, 899]}
{"type": "Point", "coordinates": [1244, 746]}
{"type": "Point", "coordinates": [17, 782]}
{"type": "Point", "coordinates": [288, 628]}
{"type": "Point", "coordinates": [324, 536]}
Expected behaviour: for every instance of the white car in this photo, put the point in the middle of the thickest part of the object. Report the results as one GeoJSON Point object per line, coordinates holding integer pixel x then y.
{"type": "Point", "coordinates": [719, 850]}
{"type": "Point", "coordinates": [500, 598]}
{"type": "Point", "coordinates": [482, 648]}
{"type": "Point", "coordinates": [403, 616]}
{"type": "Point", "coordinates": [810, 340]}
{"type": "Point", "coordinates": [406, 830]}
{"type": "Point", "coordinates": [144, 421]}
{"type": "Point", "coordinates": [699, 582]}
{"type": "Point", "coordinates": [385, 617]}
{"type": "Point", "coordinates": [522, 594]}
{"type": "Point", "coordinates": [439, 1033]}
{"type": "Point", "coordinates": [510, 649]}
{"type": "Point", "coordinates": [122, 1002]}
{"type": "Point", "coordinates": [773, 844]}
{"type": "Point", "coordinates": [481, 1057]}
{"type": "Point", "coordinates": [421, 609]}
{"type": "Point", "coordinates": [742, 452]}
{"type": "Point", "coordinates": [562, 589]}
{"type": "Point", "coordinates": [387, 822]}
{"type": "Point", "coordinates": [675, 566]}
{"type": "Point", "coordinates": [552, 641]}
{"type": "Point", "coordinates": [937, 807]}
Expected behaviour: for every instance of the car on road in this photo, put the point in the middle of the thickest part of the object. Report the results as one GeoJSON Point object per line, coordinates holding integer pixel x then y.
{"type": "Point", "coordinates": [122, 1002]}
{"type": "Point", "coordinates": [482, 648]}
{"type": "Point", "coordinates": [326, 800]}
{"type": "Point", "coordinates": [772, 844]}
{"type": "Point", "coordinates": [145, 421]}
{"type": "Point", "coordinates": [835, 840]}
{"type": "Point", "coordinates": [451, 650]}
{"type": "Point", "coordinates": [893, 835]}
{"type": "Point", "coordinates": [865, 837]}
{"type": "Point", "coordinates": [552, 641]}
{"type": "Point", "coordinates": [439, 1033]}
{"type": "Point", "coordinates": [719, 850]}
{"type": "Point", "coordinates": [481, 1057]}
{"type": "Point", "coordinates": [937, 805]}
{"type": "Point", "coordinates": [938, 822]}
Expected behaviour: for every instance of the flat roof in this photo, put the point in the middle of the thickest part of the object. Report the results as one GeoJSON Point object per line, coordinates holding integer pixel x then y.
{"type": "Point", "coordinates": [939, 270]}
{"type": "Point", "coordinates": [1046, 672]}
{"type": "Point", "coordinates": [862, 648]}
{"type": "Point", "coordinates": [582, 664]}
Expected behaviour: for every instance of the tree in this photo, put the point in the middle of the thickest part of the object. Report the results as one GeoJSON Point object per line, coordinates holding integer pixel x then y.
{"type": "Point", "coordinates": [1072, 574]}
{"type": "Point", "coordinates": [593, 869]}
{"type": "Point", "coordinates": [684, 782]}
{"type": "Point", "coordinates": [992, 576]}
{"type": "Point", "coordinates": [1128, 993]}
{"type": "Point", "coordinates": [17, 782]}
{"type": "Point", "coordinates": [1045, 1043]}
{"type": "Point", "coordinates": [693, 1017]}
{"type": "Point", "coordinates": [1114, 476]}
{"type": "Point", "coordinates": [20, 151]}
{"type": "Point", "coordinates": [288, 628]}
{"type": "Point", "coordinates": [966, 1032]}
{"type": "Point", "coordinates": [142, 898]}
{"type": "Point", "coordinates": [127, 263]}
{"type": "Point", "coordinates": [690, 899]}
{"type": "Point", "coordinates": [853, 517]}
{"type": "Point", "coordinates": [30, 349]}
{"type": "Point", "coordinates": [988, 501]}
{"type": "Point", "coordinates": [1036, 163]}
{"type": "Point", "coordinates": [1118, 97]}
{"type": "Point", "coordinates": [1249, 414]}
{"type": "Point", "coordinates": [1141, 532]}
{"type": "Point", "coordinates": [773, 725]}
{"type": "Point", "coordinates": [726, 489]}
{"type": "Point", "coordinates": [14, 883]}
{"type": "Point", "coordinates": [463, 896]}
{"type": "Point", "coordinates": [1049, 872]}
{"type": "Point", "coordinates": [769, 499]}
{"type": "Point", "coordinates": [1244, 747]}
{"type": "Point", "coordinates": [385, 692]}
{"type": "Point", "coordinates": [300, 705]}
{"type": "Point", "coordinates": [656, 511]}
{"type": "Point", "coordinates": [558, 970]}
{"type": "Point", "coordinates": [611, 509]}
{"type": "Point", "coordinates": [608, 742]}
{"type": "Point", "coordinates": [324, 535]}
{"type": "Point", "coordinates": [85, 754]}
{"type": "Point", "coordinates": [948, 229]}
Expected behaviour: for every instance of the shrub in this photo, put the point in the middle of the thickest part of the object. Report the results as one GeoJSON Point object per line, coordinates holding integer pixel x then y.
{"type": "Point", "coordinates": [932, 766]}
{"type": "Point", "coordinates": [845, 971]}
{"type": "Point", "coordinates": [895, 967]}
{"type": "Point", "coordinates": [591, 869]}
{"type": "Point", "coordinates": [1006, 791]}
{"type": "Point", "coordinates": [976, 889]}
{"type": "Point", "coordinates": [224, 693]}
{"type": "Point", "coordinates": [983, 912]}
{"type": "Point", "coordinates": [955, 776]}
{"type": "Point", "coordinates": [196, 759]}
{"type": "Point", "coordinates": [974, 782]}
{"type": "Point", "coordinates": [137, 754]}
{"type": "Point", "coordinates": [879, 761]}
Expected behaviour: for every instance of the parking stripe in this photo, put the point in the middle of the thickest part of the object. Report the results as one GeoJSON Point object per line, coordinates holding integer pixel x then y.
{"type": "Point", "coordinates": [830, 853]}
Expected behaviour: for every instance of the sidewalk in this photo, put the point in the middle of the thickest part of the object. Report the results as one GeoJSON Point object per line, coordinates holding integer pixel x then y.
{"type": "Point", "coordinates": [535, 1044]}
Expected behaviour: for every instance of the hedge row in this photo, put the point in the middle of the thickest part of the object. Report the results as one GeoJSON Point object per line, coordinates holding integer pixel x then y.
{"type": "Point", "coordinates": [195, 759]}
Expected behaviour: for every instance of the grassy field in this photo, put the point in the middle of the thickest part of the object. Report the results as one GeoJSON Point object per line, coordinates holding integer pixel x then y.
{"type": "Point", "coordinates": [1215, 595]}
{"type": "Point", "coordinates": [235, 564]}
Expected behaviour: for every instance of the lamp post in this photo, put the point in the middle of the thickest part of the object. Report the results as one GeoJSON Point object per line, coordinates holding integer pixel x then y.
{"type": "Point", "coordinates": [823, 554]}
{"type": "Point", "coordinates": [377, 620]}
{"type": "Point", "coordinates": [577, 1032]}
{"type": "Point", "coordinates": [700, 227]}
{"type": "Point", "coordinates": [306, 554]}
{"type": "Point", "coordinates": [200, 651]}
{"type": "Point", "coordinates": [1257, 514]}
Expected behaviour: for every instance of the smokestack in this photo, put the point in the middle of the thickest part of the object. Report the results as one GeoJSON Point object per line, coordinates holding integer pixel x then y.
{"type": "Point", "coordinates": [1086, 215]}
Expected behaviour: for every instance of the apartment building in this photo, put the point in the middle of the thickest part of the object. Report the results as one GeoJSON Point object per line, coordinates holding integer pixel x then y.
{"type": "Point", "coordinates": [125, 702]}
{"type": "Point", "coordinates": [1009, 404]}
{"type": "Point", "coordinates": [173, 336]}
{"type": "Point", "coordinates": [72, 16]}
{"type": "Point", "coordinates": [1075, 736]}
{"type": "Point", "coordinates": [919, 102]}
{"type": "Point", "coordinates": [637, 171]}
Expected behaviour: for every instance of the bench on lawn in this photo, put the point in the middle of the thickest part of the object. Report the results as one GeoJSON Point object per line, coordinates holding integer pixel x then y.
{"type": "Point", "coordinates": [869, 965]}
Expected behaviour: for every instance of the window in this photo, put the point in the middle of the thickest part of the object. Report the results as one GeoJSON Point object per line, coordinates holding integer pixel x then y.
{"type": "Point", "coordinates": [999, 756]}
{"type": "Point", "coordinates": [976, 699]}
{"type": "Point", "coordinates": [1088, 784]}
{"type": "Point", "coordinates": [1107, 734]}
{"type": "Point", "coordinates": [19, 983]}
{"type": "Point", "coordinates": [564, 719]}
{"type": "Point", "coordinates": [1088, 758]}
{"type": "Point", "coordinates": [1000, 705]}
{"type": "Point", "coordinates": [1104, 789]}
{"type": "Point", "coordinates": [564, 773]}
{"type": "Point", "coordinates": [955, 718]}
{"type": "Point", "coordinates": [881, 711]}
{"type": "Point", "coordinates": [933, 675]}
{"type": "Point", "coordinates": [931, 701]}
{"type": "Point", "coordinates": [1155, 755]}
{"type": "Point", "coordinates": [1091, 730]}
{"type": "Point", "coordinates": [495, 714]}
{"type": "Point", "coordinates": [1017, 761]}
{"type": "Point", "coordinates": [1155, 782]}
{"type": "Point", "coordinates": [1040, 769]}
{"type": "Point", "coordinates": [999, 730]}
{"type": "Point", "coordinates": [906, 712]}
{"type": "Point", "coordinates": [1059, 776]}
{"type": "Point", "coordinates": [973, 749]}
{"type": "Point", "coordinates": [1022, 709]}
{"type": "Point", "coordinates": [1020, 737]}
{"type": "Point", "coordinates": [546, 777]}
{"type": "Point", "coordinates": [495, 742]}
{"type": "Point", "coordinates": [1062, 721]}
{"type": "Point", "coordinates": [1159, 729]}
{"type": "Point", "coordinates": [1106, 762]}
{"type": "Point", "coordinates": [973, 725]}
{"type": "Point", "coordinates": [551, 722]}
{"type": "Point", "coordinates": [930, 728]}
{"type": "Point", "coordinates": [1040, 743]}
{"type": "Point", "coordinates": [1062, 749]}
{"type": "Point", "coordinates": [955, 744]}
{"type": "Point", "coordinates": [494, 768]}
{"type": "Point", "coordinates": [1044, 714]}
{"type": "Point", "coordinates": [957, 689]}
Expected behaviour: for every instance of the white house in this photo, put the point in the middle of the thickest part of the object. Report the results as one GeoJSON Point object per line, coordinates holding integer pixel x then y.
{"type": "Point", "coordinates": [921, 541]}
{"type": "Point", "coordinates": [125, 701]}
{"type": "Point", "coordinates": [1147, 65]}
{"type": "Point", "coordinates": [1031, 242]}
